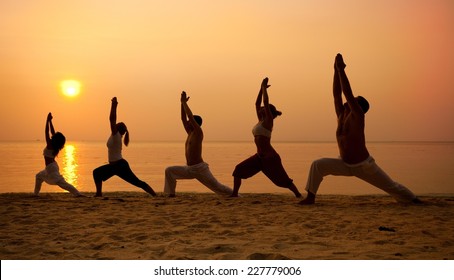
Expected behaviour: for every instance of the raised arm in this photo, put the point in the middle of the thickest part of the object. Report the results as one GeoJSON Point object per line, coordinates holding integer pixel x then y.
{"type": "Point", "coordinates": [345, 85]}
{"type": "Point", "coordinates": [188, 112]}
{"type": "Point", "coordinates": [264, 86]}
{"type": "Point", "coordinates": [268, 118]}
{"type": "Point", "coordinates": [263, 94]}
{"type": "Point", "coordinates": [49, 128]}
{"type": "Point", "coordinates": [258, 102]}
{"type": "Point", "coordinates": [337, 93]}
{"type": "Point", "coordinates": [113, 116]}
{"type": "Point", "coordinates": [184, 119]}
{"type": "Point", "coordinates": [52, 130]}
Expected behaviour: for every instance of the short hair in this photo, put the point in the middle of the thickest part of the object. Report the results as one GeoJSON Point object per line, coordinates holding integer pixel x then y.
{"type": "Point", "coordinates": [363, 103]}
{"type": "Point", "coordinates": [198, 119]}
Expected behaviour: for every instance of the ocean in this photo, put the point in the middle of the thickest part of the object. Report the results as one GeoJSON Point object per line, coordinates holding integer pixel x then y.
{"type": "Point", "coordinates": [424, 167]}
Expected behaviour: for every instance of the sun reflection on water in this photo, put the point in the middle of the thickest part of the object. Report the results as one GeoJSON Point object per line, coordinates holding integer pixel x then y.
{"type": "Point", "coordinates": [70, 165]}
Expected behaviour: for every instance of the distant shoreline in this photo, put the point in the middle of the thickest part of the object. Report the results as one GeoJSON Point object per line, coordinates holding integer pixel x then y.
{"type": "Point", "coordinates": [243, 141]}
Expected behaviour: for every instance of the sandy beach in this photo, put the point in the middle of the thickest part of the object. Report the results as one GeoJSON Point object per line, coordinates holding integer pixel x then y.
{"type": "Point", "coordinates": [203, 226]}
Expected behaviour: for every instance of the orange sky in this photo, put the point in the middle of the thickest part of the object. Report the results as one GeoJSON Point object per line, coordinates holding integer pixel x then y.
{"type": "Point", "coordinates": [399, 55]}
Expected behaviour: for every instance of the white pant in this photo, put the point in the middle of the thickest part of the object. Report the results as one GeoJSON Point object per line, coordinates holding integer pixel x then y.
{"type": "Point", "coordinates": [199, 171]}
{"type": "Point", "coordinates": [51, 175]}
{"type": "Point", "coordinates": [367, 170]}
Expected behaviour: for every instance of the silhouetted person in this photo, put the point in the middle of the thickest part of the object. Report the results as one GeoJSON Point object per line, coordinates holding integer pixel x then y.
{"type": "Point", "coordinates": [117, 164]}
{"type": "Point", "coordinates": [196, 168]}
{"type": "Point", "coordinates": [266, 159]}
{"type": "Point", "coordinates": [354, 157]}
{"type": "Point", "coordinates": [55, 141]}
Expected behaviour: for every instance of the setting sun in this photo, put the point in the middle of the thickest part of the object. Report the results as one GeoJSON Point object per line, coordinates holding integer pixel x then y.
{"type": "Point", "coordinates": [70, 88]}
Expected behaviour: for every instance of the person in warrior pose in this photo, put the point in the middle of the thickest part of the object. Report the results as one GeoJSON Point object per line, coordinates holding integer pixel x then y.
{"type": "Point", "coordinates": [355, 159]}
{"type": "Point", "coordinates": [196, 168]}
{"type": "Point", "coordinates": [266, 159]}
{"type": "Point", "coordinates": [55, 141]}
{"type": "Point", "coordinates": [117, 164]}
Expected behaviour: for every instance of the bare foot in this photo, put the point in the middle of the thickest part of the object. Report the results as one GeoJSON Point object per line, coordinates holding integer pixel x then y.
{"type": "Point", "coordinates": [306, 201]}
{"type": "Point", "coordinates": [310, 199]}
{"type": "Point", "coordinates": [295, 191]}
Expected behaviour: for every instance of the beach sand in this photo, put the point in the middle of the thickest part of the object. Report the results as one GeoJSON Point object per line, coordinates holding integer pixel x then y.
{"type": "Point", "coordinates": [203, 226]}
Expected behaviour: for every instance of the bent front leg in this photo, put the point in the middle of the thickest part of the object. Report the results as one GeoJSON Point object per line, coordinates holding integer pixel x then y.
{"type": "Point", "coordinates": [173, 173]}
{"type": "Point", "coordinates": [324, 167]}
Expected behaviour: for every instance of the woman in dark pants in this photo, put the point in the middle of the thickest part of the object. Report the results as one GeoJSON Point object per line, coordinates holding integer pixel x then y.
{"type": "Point", "coordinates": [117, 164]}
{"type": "Point", "coordinates": [266, 159]}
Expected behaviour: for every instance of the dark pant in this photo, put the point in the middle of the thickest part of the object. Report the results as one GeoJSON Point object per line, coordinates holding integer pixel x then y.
{"type": "Point", "coordinates": [121, 169]}
{"type": "Point", "coordinates": [271, 166]}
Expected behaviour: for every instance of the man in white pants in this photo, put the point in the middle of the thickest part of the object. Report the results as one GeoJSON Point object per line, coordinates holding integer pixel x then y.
{"type": "Point", "coordinates": [196, 168]}
{"type": "Point", "coordinates": [355, 159]}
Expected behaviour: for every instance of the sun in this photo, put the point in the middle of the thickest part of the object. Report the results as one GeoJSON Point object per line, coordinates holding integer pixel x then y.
{"type": "Point", "coordinates": [70, 88]}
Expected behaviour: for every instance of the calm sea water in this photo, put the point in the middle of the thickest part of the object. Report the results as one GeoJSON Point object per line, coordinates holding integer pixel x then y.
{"type": "Point", "coordinates": [425, 168]}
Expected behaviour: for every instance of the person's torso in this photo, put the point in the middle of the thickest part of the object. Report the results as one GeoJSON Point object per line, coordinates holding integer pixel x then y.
{"type": "Point", "coordinates": [114, 147]}
{"type": "Point", "coordinates": [193, 147]}
{"type": "Point", "coordinates": [262, 139]}
{"type": "Point", "coordinates": [49, 156]}
{"type": "Point", "coordinates": [351, 138]}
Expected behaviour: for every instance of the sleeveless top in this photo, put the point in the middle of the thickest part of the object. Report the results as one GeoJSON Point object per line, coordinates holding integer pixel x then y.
{"type": "Point", "coordinates": [114, 147]}
{"type": "Point", "coordinates": [49, 153]}
{"type": "Point", "coordinates": [259, 130]}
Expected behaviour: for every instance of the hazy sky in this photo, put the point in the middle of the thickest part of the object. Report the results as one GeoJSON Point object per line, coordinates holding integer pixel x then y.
{"type": "Point", "coordinates": [399, 55]}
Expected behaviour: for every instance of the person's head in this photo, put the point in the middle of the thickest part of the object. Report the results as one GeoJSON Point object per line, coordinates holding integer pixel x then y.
{"type": "Point", "coordinates": [363, 103]}
{"type": "Point", "coordinates": [123, 130]}
{"type": "Point", "coordinates": [274, 112]}
{"type": "Point", "coordinates": [198, 120]}
{"type": "Point", "coordinates": [57, 142]}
